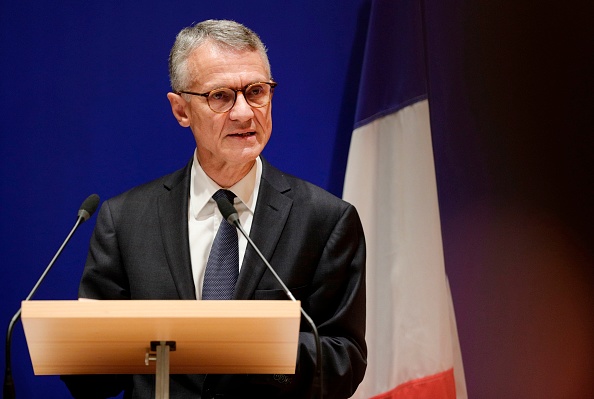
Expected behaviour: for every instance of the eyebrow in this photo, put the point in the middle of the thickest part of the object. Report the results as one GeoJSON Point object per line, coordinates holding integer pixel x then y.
{"type": "Point", "coordinates": [224, 86]}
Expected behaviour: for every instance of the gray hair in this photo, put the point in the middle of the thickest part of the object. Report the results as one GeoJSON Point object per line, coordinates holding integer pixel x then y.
{"type": "Point", "coordinates": [224, 33]}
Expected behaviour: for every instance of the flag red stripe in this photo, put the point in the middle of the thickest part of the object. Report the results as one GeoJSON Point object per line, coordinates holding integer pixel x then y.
{"type": "Point", "coordinates": [437, 386]}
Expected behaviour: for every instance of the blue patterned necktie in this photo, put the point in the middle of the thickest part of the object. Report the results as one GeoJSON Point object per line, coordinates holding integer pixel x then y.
{"type": "Point", "coordinates": [222, 267]}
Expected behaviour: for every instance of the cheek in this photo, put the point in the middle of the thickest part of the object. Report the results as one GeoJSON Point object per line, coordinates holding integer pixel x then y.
{"type": "Point", "coordinates": [207, 129]}
{"type": "Point", "coordinates": [265, 120]}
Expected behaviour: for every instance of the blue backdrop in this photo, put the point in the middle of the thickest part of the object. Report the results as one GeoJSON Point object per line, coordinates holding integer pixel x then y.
{"type": "Point", "coordinates": [83, 110]}
{"type": "Point", "coordinates": [83, 105]}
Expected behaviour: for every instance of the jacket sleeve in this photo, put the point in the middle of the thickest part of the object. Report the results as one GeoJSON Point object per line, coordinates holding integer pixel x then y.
{"type": "Point", "coordinates": [337, 307]}
{"type": "Point", "coordinates": [104, 276]}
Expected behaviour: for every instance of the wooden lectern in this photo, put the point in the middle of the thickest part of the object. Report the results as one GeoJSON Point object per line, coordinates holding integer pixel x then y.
{"type": "Point", "coordinates": [184, 337]}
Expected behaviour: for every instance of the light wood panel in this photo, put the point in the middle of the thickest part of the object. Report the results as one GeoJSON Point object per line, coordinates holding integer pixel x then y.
{"type": "Point", "coordinates": [112, 337]}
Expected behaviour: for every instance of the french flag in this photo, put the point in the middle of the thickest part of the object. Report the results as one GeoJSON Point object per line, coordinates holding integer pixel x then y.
{"type": "Point", "coordinates": [411, 329]}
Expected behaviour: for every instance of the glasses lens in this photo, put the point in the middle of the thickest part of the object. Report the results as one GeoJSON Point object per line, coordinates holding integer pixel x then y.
{"type": "Point", "coordinates": [221, 100]}
{"type": "Point", "coordinates": [258, 94]}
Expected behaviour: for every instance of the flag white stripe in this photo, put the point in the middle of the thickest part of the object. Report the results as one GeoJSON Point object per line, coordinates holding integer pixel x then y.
{"type": "Point", "coordinates": [390, 178]}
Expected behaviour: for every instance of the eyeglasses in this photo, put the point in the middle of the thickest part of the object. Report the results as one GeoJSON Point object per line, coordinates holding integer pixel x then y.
{"type": "Point", "coordinates": [221, 100]}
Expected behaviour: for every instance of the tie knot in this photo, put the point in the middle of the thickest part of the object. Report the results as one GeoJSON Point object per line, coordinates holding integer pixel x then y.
{"type": "Point", "coordinates": [224, 193]}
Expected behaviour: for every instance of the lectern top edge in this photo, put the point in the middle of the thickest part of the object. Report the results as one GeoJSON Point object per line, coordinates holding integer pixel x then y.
{"type": "Point", "coordinates": [159, 309]}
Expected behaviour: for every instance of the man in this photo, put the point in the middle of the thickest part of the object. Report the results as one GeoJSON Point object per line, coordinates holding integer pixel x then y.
{"type": "Point", "coordinates": [153, 242]}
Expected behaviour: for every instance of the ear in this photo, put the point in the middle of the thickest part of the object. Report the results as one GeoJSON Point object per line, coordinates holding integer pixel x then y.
{"type": "Point", "coordinates": [179, 109]}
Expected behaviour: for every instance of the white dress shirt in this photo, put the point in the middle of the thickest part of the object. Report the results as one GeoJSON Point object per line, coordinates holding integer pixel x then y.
{"type": "Point", "coordinates": [204, 216]}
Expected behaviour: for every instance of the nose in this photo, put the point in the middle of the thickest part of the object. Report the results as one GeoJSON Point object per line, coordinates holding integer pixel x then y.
{"type": "Point", "coordinates": [241, 110]}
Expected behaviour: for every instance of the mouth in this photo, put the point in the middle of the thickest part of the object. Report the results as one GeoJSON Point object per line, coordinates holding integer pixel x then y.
{"type": "Point", "coordinates": [244, 134]}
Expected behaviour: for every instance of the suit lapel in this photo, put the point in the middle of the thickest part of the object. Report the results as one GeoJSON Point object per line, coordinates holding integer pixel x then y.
{"type": "Point", "coordinates": [272, 211]}
{"type": "Point", "coordinates": [173, 218]}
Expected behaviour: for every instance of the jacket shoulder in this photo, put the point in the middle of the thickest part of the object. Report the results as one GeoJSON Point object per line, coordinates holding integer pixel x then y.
{"type": "Point", "coordinates": [148, 192]}
{"type": "Point", "coordinates": [301, 191]}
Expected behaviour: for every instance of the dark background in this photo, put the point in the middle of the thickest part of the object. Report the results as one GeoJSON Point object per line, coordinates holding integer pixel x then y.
{"type": "Point", "coordinates": [83, 110]}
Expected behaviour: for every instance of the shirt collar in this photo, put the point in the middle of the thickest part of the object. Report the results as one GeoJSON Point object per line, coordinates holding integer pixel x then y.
{"type": "Point", "coordinates": [203, 187]}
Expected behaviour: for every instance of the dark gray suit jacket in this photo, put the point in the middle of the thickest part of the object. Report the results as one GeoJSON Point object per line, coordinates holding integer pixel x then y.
{"type": "Point", "coordinates": [314, 241]}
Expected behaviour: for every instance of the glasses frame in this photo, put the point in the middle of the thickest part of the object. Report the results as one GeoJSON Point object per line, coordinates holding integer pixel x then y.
{"type": "Point", "coordinates": [242, 90]}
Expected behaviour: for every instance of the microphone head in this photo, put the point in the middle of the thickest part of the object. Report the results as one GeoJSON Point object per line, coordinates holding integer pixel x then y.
{"type": "Point", "coordinates": [227, 209]}
{"type": "Point", "coordinates": [88, 207]}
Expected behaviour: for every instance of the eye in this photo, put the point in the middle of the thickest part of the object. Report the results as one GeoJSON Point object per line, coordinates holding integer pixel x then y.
{"type": "Point", "coordinates": [222, 95]}
{"type": "Point", "coordinates": [256, 90]}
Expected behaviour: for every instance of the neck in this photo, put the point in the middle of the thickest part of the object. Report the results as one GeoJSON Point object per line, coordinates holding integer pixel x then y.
{"type": "Point", "coordinates": [227, 175]}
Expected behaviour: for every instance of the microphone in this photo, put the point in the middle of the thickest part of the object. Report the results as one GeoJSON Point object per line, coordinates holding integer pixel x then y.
{"type": "Point", "coordinates": [230, 214]}
{"type": "Point", "coordinates": [88, 207]}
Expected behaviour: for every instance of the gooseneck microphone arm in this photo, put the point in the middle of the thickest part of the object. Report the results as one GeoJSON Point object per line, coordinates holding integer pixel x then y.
{"type": "Point", "coordinates": [230, 214]}
{"type": "Point", "coordinates": [86, 210]}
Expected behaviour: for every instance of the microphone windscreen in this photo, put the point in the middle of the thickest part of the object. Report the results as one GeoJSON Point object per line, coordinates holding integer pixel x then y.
{"type": "Point", "coordinates": [89, 206]}
{"type": "Point", "coordinates": [227, 209]}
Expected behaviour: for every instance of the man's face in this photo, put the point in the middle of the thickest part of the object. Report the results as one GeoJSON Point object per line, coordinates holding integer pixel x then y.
{"type": "Point", "coordinates": [234, 139]}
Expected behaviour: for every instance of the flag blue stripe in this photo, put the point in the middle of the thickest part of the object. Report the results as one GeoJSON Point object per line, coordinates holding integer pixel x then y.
{"type": "Point", "coordinates": [391, 81]}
